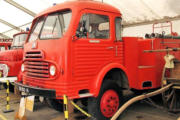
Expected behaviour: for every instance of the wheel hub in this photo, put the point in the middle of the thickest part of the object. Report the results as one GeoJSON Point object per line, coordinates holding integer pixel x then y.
{"type": "Point", "coordinates": [109, 103]}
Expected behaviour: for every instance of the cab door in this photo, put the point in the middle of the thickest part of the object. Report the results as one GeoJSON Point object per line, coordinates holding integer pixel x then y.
{"type": "Point", "coordinates": [118, 42]}
{"type": "Point", "coordinates": [94, 47]}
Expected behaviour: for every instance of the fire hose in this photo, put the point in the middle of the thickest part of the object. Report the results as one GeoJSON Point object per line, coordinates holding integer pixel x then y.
{"type": "Point", "coordinates": [140, 97]}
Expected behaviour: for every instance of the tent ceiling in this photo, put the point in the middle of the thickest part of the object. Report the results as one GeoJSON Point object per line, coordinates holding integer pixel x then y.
{"type": "Point", "coordinates": [17, 13]}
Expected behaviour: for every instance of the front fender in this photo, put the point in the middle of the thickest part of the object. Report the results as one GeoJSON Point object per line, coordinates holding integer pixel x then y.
{"type": "Point", "coordinates": [98, 80]}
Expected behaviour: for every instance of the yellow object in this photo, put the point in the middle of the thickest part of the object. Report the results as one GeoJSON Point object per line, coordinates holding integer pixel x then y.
{"type": "Point", "coordinates": [7, 91]}
{"type": "Point", "coordinates": [65, 99]}
{"type": "Point", "coordinates": [66, 114]}
{"type": "Point", "coordinates": [81, 110]}
{"type": "Point", "coordinates": [7, 107]}
{"type": "Point", "coordinates": [65, 107]}
{"type": "Point", "coordinates": [30, 103]}
{"type": "Point", "coordinates": [2, 117]}
{"type": "Point", "coordinates": [169, 61]}
{"type": "Point", "coordinates": [7, 82]}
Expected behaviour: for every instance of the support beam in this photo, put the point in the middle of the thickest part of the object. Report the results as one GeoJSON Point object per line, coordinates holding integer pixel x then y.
{"type": "Point", "coordinates": [13, 3]}
{"type": "Point", "coordinates": [10, 25]}
{"type": "Point", "coordinates": [5, 36]}
{"type": "Point", "coordinates": [18, 26]}
{"type": "Point", "coordinates": [146, 22]}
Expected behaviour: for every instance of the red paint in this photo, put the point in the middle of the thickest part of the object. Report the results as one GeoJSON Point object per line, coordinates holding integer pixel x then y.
{"type": "Point", "coordinates": [82, 65]}
{"type": "Point", "coordinates": [109, 103]}
{"type": "Point", "coordinates": [5, 44]}
{"type": "Point", "coordinates": [13, 57]}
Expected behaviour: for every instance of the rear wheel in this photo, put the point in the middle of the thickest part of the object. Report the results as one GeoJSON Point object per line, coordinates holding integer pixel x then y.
{"type": "Point", "coordinates": [55, 104]}
{"type": "Point", "coordinates": [107, 103]}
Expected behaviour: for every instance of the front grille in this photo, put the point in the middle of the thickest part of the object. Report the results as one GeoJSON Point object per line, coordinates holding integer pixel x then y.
{"type": "Point", "coordinates": [37, 69]}
{"type": "Point", "coordinates": [34, 55]}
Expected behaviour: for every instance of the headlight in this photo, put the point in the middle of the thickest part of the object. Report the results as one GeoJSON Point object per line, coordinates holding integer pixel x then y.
{"type": "Point", "coordinates": [22, 68]}
{"type": "Point", "coordinates": [5, 69]}
{"type": "Point", "coordinates": [52, 70]}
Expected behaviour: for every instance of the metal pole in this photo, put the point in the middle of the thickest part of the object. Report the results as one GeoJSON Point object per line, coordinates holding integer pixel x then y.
{"type": "Point", "coordinates": [66, 115]}
{"type": "Point", "coordinates": [7, 99]}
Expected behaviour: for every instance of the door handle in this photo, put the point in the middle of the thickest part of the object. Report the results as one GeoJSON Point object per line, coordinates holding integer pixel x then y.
{"type": "Point", "coordinates": [111, 47]}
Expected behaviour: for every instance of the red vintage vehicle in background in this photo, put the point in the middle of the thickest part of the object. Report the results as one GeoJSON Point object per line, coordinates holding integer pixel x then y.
{"type": "Point", "coordinates": [5, 44]}
{"type": "Point", "coordinates": [11, 60]}
{"type": "Point", "coordinates": [76, 49]}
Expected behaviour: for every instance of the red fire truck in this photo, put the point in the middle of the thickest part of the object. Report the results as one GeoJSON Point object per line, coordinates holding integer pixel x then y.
{"type": "Point", "coordinates": [5, 44]}
{"type": "Point", "coordinates": [76, 49]}
{"type": "Point", "coordinates": [11, 60]}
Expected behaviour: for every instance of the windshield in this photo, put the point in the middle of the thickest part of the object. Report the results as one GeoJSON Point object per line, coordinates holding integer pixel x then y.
{"type": "Point", "coordinates": [51, 27]}
{"type": "Point", "coordinates": [19, 40]}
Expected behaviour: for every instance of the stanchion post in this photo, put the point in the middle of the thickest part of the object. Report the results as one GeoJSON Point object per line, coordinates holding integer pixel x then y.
{"type": "Point", "coordinates": [66, 114]}
{"type": "Point", "coordinates": [7, 110]}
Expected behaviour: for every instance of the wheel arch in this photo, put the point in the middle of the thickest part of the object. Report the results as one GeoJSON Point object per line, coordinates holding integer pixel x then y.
{"type": "Point", "coordinates": [108, 69]}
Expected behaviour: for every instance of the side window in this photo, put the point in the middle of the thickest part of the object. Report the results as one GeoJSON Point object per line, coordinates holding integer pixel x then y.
{"type": "Point", "coordinates": [118, 28]}
{"type": "Point", "coordinates": [93, 26]}
{"type": "Point", "coordinates": [99, 26]}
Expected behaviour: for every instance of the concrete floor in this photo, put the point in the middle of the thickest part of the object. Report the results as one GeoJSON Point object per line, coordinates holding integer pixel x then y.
{"type": "Point", "coordinates": [137, 111]}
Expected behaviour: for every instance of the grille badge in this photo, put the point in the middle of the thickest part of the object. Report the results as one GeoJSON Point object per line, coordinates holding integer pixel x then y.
{"type": "Point", "coordinates": [34, 45]}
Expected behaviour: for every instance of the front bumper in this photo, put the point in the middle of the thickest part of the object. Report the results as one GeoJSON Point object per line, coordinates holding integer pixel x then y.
{"type": "Point", "coordinates": [10, 79]}
{"type": "Point", "coordinates": [49, 93]}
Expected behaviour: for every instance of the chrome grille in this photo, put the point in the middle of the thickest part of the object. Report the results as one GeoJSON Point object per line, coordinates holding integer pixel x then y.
{"type": "Point", "coordinates": [34, 55]}
{"type": "Point", "coordinates": [38, 69]}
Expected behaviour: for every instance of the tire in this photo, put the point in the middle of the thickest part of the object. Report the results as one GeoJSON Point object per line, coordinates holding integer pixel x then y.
{"type": "Point", "coordinates": [109, 95]}
{"type": "Point", "coordinates": [11, 87]}
{"type": "Point", "coordinates": [55, 104]}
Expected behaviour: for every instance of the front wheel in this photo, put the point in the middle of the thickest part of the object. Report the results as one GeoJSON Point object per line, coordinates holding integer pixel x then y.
{"type": "Point", "coordinates": [107, 103]}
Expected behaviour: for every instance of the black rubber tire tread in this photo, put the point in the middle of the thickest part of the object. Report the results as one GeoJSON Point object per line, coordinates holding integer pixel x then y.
{"type": "Point", "coordinates": [94, 103]}
{"type": "Point", "coordinates": [55, 104]}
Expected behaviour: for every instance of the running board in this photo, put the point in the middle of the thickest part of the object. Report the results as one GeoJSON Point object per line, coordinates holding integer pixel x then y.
{"type": "Point", "coordinates": [85, 95]}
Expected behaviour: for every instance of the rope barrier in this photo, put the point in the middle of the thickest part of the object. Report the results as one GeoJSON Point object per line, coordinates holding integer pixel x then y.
{"type": "Point", "coordinates": [80, 109]}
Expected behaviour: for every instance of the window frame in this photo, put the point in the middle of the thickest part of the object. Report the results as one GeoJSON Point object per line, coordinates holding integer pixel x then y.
{"type": "Point", "coordinates": [120, 40]}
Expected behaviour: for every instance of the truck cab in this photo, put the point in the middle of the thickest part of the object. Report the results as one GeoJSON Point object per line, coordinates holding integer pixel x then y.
{"type": "Point", "coordinates": [77, 49]}
{"type": "Point", "coordinates": [5, 44]}
{"type": "Point", "coordinates": [11, 60]}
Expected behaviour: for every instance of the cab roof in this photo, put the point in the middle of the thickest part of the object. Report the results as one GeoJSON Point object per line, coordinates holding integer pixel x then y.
{"type": "Point", "coordinates": [80, 5]}
{"type": "Point", "coordinates": [20, 33]}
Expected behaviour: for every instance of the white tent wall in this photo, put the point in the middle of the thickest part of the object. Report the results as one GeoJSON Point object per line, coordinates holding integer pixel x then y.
{"type": "Point", "coordinates": [11, 32]}
{"type": "Point", "coordinates": [133, 11]}
{"type": "Point", "coordinates": [140, 31]}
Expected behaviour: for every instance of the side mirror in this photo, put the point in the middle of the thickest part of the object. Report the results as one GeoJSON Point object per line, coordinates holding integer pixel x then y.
{"type": "Point", "coordinates": [75, 37]}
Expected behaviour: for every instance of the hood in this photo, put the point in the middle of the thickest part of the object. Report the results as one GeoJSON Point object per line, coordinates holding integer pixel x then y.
{"type": "Point", "coordinates": [11, 55]}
